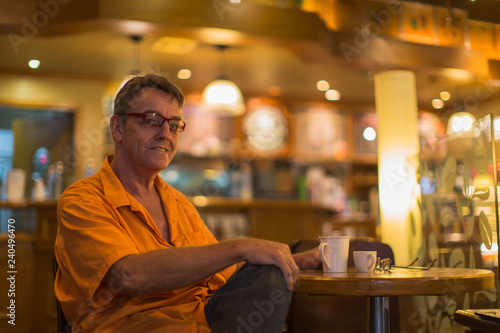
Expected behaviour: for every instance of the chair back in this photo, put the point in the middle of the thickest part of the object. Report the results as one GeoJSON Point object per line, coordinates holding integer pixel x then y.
{"type": "Point", "coordinates": [62, 324]}
{"type": "Point", "coordinates": [356, 244]}
{"type": "Point", "coordinates": [367, 244]}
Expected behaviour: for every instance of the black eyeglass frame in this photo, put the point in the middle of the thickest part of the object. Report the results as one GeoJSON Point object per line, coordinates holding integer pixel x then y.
{"type": "Point", "coordinates": [182, 124]}
{"type": "Point", "coordinates": [417, 267]}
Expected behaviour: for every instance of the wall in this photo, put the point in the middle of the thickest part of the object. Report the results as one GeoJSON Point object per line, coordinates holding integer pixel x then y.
{"type": "Point", "coordinates": [82, 95]}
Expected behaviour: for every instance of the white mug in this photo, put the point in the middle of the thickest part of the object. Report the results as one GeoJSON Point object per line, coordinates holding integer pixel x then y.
{"type": "Point", "coordinates": [365, 260]}
{"type": "Point", "coordinates": [334, 251]}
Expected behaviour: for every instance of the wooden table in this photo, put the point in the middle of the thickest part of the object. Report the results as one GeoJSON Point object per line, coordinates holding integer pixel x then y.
{"type": "Point", "coordinates": [396, 282]}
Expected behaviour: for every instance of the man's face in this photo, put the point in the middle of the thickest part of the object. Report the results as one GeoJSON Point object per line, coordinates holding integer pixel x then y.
{"type": "Point", "coordinates": [143, 147]}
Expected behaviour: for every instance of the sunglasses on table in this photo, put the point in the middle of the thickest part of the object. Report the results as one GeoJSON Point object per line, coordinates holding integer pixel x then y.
{"type": "Point", "coordinates": [155, 119]}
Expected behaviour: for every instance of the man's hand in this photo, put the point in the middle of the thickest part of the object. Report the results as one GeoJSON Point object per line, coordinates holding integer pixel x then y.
{"type": "Point", "coordinates": [308, 260]}
{"type": "Point", "coordinates": [264, 252]}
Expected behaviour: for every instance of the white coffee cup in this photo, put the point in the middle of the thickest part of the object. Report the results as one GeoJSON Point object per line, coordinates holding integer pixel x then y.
{"type": "Point", "coordinates": [365, 260]}
{"type": "Point", "coordinates": [334, 251]}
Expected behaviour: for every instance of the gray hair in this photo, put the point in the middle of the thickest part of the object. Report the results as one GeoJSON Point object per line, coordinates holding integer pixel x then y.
{"type": "Point", "coordinates": [133, 87]}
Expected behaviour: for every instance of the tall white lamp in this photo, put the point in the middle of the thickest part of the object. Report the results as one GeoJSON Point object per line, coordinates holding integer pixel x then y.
{"type": "Point", "coordinates": [398, 150]}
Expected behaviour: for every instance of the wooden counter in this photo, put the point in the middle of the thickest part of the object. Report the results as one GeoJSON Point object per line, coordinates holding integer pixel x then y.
{"type": "Point", "coordinates": [34, 281]}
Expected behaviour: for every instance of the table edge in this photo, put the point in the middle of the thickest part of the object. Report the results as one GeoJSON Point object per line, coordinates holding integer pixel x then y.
{"type": "Point", "coordinates": [381, 286]}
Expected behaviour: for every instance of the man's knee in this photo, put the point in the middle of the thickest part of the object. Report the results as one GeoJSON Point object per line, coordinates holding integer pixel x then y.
{"type": "Point", "coordinates": [257, 300]}
{"type": "Point", "coordinates": [273, 291]}
{"type": "Point", "coordinates": [272, 277]}
{"type": "Point", "coordinates": [269, 305]}
{"type": "Point", "coordinates": [265, 276]}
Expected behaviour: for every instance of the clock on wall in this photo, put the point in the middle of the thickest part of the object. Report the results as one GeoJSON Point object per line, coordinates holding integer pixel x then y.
{"type": "Point", "coordinates": [265, 128]}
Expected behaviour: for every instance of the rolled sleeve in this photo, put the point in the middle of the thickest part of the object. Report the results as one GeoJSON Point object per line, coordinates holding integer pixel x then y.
{"type": "Point", "coordinates": [92, 240]}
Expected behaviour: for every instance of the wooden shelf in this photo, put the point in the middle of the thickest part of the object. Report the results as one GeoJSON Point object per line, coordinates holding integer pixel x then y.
{"type": "Point", "coordinates": [222, 202]}
{"type": "Point", "coordinates": [27, 203]}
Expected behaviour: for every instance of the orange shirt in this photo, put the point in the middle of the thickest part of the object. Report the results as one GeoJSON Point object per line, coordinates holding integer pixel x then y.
{"type": "Point", "coordinates": [99, 223]}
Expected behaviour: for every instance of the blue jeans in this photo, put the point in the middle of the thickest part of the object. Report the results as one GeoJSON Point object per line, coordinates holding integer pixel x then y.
{"type": "Point", "coordinates": [255, 299]}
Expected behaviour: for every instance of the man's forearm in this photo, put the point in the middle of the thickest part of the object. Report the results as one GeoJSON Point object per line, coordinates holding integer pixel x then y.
{"type": "Point", "coordinates": [174, 268]}
{"type": "Point", "coordinates": [170, 269]}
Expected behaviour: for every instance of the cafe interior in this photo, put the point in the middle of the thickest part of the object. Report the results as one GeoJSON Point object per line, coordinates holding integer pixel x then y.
{"type": "Point", "coordinates": [374, 119]}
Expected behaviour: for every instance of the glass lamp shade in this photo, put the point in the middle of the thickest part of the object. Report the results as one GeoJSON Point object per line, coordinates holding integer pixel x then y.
{"type": "Point", "coordinates": [222, 97]}
{"type": "Point", "coordinates": [460, 135]}
{"type": "Point", "coordinates": [460, 124]}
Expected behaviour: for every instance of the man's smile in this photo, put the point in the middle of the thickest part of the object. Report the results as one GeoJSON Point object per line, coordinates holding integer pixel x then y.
{"type": "Point", "coordinates": [161, 149]}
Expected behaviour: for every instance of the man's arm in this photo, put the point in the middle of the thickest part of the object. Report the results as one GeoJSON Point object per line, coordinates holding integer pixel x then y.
{"type": "Point", "coordinates": [174, 268]}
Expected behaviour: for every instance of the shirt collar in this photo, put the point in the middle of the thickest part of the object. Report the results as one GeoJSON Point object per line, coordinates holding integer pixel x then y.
{"type": "Point", "coordinates": [113, 188]}
{"type": "Point", "coordinates": [116, 194]}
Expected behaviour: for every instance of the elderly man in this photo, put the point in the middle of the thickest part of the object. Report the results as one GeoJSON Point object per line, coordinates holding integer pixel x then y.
{"type": "Point", "coordinates": [135, 256]}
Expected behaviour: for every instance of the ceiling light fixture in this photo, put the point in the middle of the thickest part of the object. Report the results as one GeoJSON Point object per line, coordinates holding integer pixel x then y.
{"type": "Point", "coordinates": [322, 85]}
{"type": "Point", "coordinates": [445, 95]}
{"type": "Point", "coordinates": [369, 134]}
{"type": "Point", "coordinates": [184, 74]}
{"type": "Point", "coordinates": [222, 97]}
{"type": "Point", "coordinates": [332, 95]}
{"type": "Point", "coordinates": [34, 63]}
{"type": "Point", "coordinates": [437, 103]}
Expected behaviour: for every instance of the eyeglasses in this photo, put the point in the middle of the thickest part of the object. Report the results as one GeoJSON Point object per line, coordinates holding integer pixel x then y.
{"type": "Point", "coordinates": [156, 119]}
{"type": "Point", "coordinates": [416, 267]}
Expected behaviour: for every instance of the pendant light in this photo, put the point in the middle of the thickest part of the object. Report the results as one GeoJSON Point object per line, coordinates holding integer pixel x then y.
{"type": "Point", "coordinates": [136, 56]}
{"type": "Point", "coordinates": [460, 133]}
{"type": "Point", "coordinates": [222, 96]}
{"type": "Point", "coordinates": [461, 122]}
